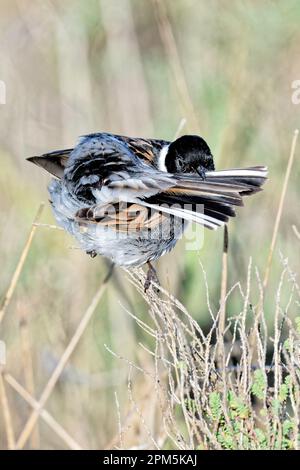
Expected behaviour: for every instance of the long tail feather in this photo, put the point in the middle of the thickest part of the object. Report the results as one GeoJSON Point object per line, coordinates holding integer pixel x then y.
{"type": "Point", "coordinates": [190, 215]}
{"type": "Point", "coordinates": [213, 199]}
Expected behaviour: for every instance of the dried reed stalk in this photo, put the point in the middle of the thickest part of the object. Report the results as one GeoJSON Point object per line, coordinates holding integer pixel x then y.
{"type": "Point", "coordinates": [222, 313]}
{"type": "Point", "coordinates": [10, 436]}
{"type": "Point", "coordinates": [177, 73]}
{"type": "Point", "coordinates": [273, 241]}
{"type": "Point", "coordinates": [26, 432]}
{"type": "Point", "coordinates": [20, 264]}
{"type": "Point", "coordinates": [296, 232]}
{"type": "Point", "coordinates": [45, 415]}
{"type": "Point", "coordinates": [280, 208]}
{"type": "Point", "coordinates": [27, 367]}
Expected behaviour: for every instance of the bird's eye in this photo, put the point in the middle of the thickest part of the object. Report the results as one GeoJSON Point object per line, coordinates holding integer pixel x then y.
{"type": "Point", "coordinates": [179, 164]}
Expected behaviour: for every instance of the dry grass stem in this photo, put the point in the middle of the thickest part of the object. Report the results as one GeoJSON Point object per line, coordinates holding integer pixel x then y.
{"type": "Point", "coordinates": [8, 422]}
{"type": "Point", "coordinates": [27, 366]}
{"type": "Point", "coordinates": [231, 405]}
{"type": "Point", "coordinates": [47, 417]}
{"type": "Point", "coordinates": [177, 72]}
{"type": "Point", "coordinates": [50, 226]}
{"type": "Point", "coordinates": [280, 207]}
{"type": "Point", "coordinates": [265, 281]}
{"type": "Point", "coordinates": [180, 128]}
{"type": "Point", "coordinates": [296, 232]}
{"type": "Point", "coordinates": [222, 314]}
{"type": "Point", "coordinates": [62, 363]}
{"type": "Point", "coordinates": [20, 264]}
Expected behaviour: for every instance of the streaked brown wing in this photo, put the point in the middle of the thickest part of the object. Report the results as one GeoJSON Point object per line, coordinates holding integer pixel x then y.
{"type": "Point", "coordinates": [122, 217]}
{"type": "Point", "coordinates": [146, 149]}
{"type": "Point", "coordinates": [142, 148]}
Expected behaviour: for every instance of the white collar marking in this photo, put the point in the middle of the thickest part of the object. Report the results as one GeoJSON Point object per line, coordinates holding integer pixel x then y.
{"type": "Point", "coordinates": [161, 162]}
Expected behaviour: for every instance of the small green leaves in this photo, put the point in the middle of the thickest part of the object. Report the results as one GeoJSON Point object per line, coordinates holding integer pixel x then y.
{"type": "Point", "coordinates": [215, 405]}
{"type": "Point", "coordinates": [237, 407]}
{"type": "Point", "coordinates": [262, 438]}
{"type": "Point", "coordinates": [259, 384]}
{"type": "Point", "coordinates": [285, 389]}
{"type": "Point", "coordinates": [287, 345]}
{"type": "Point", "coordinates": [283, 392]}
{"type": "Point", "coordinates": [226, 439]}
{"type": "Point", "coordinates": [287, 426]}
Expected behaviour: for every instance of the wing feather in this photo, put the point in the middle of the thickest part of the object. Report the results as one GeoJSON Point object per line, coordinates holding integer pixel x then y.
{"type": "Point", "coordinates": [53, 162]}
{"type": "Point", "coordinates": [122, 217]}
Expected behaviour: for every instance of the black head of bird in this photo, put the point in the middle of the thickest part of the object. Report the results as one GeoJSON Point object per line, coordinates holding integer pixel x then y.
{"type": "Point", "coordinates": [188, 154]}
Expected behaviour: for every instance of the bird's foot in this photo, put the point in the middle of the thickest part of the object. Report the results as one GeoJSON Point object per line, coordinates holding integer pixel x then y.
{"type": "Point", "coordinates": [151, 277]}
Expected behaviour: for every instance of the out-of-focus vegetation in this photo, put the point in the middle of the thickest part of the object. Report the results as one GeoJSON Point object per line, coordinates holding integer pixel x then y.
{"type": "Point", "coordinates": [135, 67]}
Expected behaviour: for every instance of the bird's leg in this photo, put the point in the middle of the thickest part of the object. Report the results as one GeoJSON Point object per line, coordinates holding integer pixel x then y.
{"type": "Point", "coordinates": [151, 277]}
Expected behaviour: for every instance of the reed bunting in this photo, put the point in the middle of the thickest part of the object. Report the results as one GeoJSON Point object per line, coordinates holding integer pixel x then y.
{"type": "Point", "coordinates": [130, 199]}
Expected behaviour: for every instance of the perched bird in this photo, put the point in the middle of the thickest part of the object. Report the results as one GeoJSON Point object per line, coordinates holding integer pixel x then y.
{"type": "Point", "coordinates": [130, 199]}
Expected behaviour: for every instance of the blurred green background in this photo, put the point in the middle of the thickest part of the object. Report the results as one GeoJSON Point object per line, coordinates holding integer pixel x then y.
{"type": "Point", "coordinates": [135, 67]}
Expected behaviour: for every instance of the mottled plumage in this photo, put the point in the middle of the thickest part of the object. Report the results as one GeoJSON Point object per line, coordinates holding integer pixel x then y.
{"type": "Point", "coordinates": [130, 199]}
